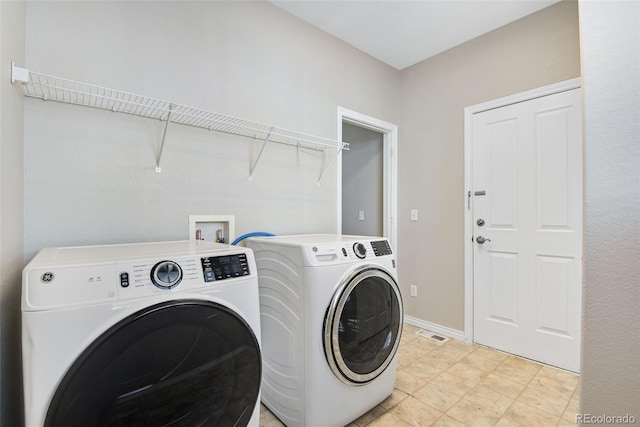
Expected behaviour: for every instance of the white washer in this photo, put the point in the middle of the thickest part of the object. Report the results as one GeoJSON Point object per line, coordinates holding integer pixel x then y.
{"type": "Point", "coordinates": [142, 334]}
{"type": "Point", "coordinates": [331, 317]}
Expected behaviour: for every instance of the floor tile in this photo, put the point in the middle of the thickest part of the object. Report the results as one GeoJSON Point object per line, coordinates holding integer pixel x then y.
{"type": "Point", "coordinates": [558, 388]}
{"type": "Point", "coordinates": [490, 353]}
{"type": "Point", "coordinates": [453, 384]}
{"type": "Point", "coordinates": [572, 409]}
{"type": "Point", "coordinates": [451, 354]}
{"type": "Point", "coordinates": [389, 420]}
{"type": "Point", "coordinates": [422, 370]}
{"type": "Point", "coordinates": [472, 414]}
{"type": "Point", "coordinates": [435, 396]}
{"type": "Point", "coordinates": [569, 378]}
{"type": "Point", "coordinates": [427, 344]}
{"type": "Point", "coordinates": [370, 416]}
{"type": "Point", "coordinates": [447, 421]}
{"type": "Point", "coordinates": [416, 413]}
{"type": "Point", "coordinates": [539, 398]}
{"type": "Point", "coordinates": [489, 399]}
{"type": "Point", "coordinates": [407, 382]}
{"type": "Point", "coordinates": [409, 329]}
{"type": "Point", "coordinates": [415, 350]}
{"type": "Point", "coordinates": [396, 397]}
{"type": "Point", "coordinates": [407, 339]}
{"type": "Point", "coordinates": [461, 345]}
{"type": "Point", "coordinates": [267, 419]}
{"type": "Point", "coordinates": [478, 361]}
{"type": "Point", "coordinates": [435, 360]}
{"type": "Point", "coordinates": [522, 415]}
{"type": "Point", "coordinates": [502, 385]}
{"type": "Point", "coordinates": [518, 370]}
{"type": "Point", "coordinates": [403, 360]}
{"type": "Point", "coordinates": [467, 372]}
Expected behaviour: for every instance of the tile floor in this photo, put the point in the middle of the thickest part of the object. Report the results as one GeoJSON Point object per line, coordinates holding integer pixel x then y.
{"type": "Point", "coordinates": [460, 384]}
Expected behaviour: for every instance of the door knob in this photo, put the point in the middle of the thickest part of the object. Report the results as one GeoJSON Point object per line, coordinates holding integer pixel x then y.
{"type": "Point", "coordinates": [481, 240]}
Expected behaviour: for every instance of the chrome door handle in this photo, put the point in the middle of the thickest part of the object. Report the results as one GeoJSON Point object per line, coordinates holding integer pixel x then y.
{"type": "Point", "coordinates": [481, 240]}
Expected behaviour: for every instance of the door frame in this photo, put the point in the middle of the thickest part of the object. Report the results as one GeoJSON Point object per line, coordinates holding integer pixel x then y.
{"type": "Point", "coordinates": [468, 180]}
{"type": "Point", "coordinates": [389, 133]}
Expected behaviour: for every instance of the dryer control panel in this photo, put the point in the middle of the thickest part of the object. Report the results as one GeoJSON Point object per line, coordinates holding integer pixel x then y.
{"type": "Point", "coordinates": [224, 267]}
{"type": "Point", "coordinates": [381, 248]}
{"type": "Point", "coordinates": [348, 251]}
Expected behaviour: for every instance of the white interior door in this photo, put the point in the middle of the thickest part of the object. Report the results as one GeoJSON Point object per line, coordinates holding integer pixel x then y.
{"type": "Point", "coordinates": [527, 214]}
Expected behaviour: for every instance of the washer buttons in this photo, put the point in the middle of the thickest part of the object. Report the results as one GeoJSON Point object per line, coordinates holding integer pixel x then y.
{"type": "Point", "coordinates": [124, 279]}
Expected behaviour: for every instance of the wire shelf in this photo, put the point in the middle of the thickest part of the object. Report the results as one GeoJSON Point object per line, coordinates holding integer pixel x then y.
{"type": "Point", "coordinates": [52, 88]}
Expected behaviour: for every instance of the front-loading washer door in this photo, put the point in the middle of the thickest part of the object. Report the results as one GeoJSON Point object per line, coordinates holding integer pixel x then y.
{"type": "Point", "coordinates": [362, 326]}
{"type": "Point", "coordinates": [177, 363]}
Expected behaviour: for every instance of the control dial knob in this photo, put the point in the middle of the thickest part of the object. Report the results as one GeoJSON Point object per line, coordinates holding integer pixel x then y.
{"type": "Point", "coordinates": [360, 250]}
{"type": "Point", "coordinates": [166, 274]}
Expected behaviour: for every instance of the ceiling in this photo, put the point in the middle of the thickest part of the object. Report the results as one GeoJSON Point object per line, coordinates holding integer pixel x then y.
{"type": "Point", "coordinates": [402, 33]}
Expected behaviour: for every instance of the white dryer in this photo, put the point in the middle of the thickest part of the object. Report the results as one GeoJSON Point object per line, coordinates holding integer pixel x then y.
{"type": "Point", "coordinates": [331, 317]}
{"type": "Point", "coordinates": [143, 334]}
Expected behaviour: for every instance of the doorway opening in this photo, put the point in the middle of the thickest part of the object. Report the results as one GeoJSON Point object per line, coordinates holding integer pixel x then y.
{"type": "Point", "coordinates": [367, 176]}
{"type": "Point", "coordinates": [362, 182]}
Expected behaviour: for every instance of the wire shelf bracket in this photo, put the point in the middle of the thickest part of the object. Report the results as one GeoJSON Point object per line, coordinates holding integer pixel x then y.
{"type": "Point", "coordinates": [58, 89]}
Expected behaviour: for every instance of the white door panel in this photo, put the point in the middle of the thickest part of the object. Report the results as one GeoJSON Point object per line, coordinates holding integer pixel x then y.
{"type": "Point", "coordinates": [527, 187]}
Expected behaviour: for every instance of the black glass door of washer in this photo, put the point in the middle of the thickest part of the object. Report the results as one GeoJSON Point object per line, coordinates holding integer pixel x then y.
{"type": "Point", "coordinates": [177, 363]}
{"type": "Point", "coordinates": [363, 326]}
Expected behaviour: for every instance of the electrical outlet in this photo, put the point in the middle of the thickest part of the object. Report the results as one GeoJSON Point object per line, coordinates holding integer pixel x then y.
{"type": "Point", "coordinates": [414, 290]}
{"type": "Point", "coordinates": [361, 215]}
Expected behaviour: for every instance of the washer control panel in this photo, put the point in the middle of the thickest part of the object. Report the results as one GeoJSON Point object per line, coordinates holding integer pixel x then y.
{"type": "Point", "coordinates": [143, 277]}
{"type": "Point", "coordinates": [64, 277]}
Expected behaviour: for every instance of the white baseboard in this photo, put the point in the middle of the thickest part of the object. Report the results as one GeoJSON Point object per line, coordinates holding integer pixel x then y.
{"type": "Point", "coordinates": [440, 330]}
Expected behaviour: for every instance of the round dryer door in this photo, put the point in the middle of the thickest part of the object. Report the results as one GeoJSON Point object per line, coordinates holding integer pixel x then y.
{"type": "Point", "coordinates": [362, 326]}
{"type": "Point", "coordinates": [177, 363]}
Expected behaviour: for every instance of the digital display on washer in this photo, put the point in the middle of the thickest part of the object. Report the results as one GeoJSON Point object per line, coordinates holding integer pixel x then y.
{"type": "Point", "coordinates": [224, 267]}
{"type": "Point", "coordinates": [381, 247]}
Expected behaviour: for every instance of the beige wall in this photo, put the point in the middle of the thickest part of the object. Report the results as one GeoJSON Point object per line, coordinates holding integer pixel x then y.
{"type": "Point", "coordinates": [12, 31]}
{"type": "Point", "coordinates": [537, 50]}
{"type": "Point", "coordinates": [610, 377]}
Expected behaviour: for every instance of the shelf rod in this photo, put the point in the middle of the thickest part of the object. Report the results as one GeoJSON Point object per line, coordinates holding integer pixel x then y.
{"type": "Point", "coordinates": [164, 135]}
{"type": "Point", "coordinates": [255, 163]}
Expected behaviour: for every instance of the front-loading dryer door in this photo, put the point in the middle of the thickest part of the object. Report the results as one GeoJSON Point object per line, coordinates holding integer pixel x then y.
{"type": "Point", "coordinates": [362, 326]}
{"type": "Point", "coordinates": [177, 363]}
